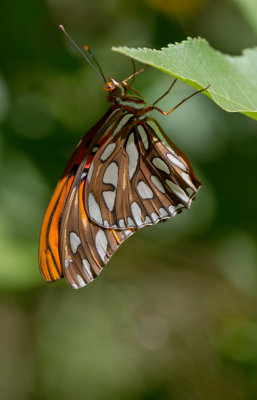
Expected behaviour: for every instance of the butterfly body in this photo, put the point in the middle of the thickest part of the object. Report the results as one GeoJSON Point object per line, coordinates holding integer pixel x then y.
{"type": "Point", "coordinates": [124, 174]}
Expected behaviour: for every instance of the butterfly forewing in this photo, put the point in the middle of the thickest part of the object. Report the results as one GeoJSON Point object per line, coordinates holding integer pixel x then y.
{"type": "Point", "coordinates": [49, 257]}
{"type": "Point", "coordinates": [142, 178]}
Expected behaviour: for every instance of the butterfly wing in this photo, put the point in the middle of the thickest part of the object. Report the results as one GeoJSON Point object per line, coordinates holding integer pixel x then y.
{"type": "Point", "coordinates": [85, 247]}
{"type": "Point", "coordinates": [49, 246]}
{"type": "Point", "coordinates": [49, 257]}
{"type": "Point", "coordinates": [138, 177]}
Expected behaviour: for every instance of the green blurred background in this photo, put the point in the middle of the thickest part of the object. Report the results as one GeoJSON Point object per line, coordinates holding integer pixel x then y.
{"type": "Point", "coordinates": [174, 314]}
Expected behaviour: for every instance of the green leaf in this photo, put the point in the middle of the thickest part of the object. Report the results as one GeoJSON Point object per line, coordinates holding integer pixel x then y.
{"type": "Point", "coordinates": [233, 79]}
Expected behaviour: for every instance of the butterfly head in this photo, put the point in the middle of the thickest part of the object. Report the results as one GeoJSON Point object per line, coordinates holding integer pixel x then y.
{"type": "Point", "coordinates": [115, 89]}
{"type": "Point", "coordinates": [118, 94]}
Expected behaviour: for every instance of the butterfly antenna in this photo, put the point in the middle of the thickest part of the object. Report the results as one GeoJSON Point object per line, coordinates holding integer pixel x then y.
{"type": "Point", "coordinates": [101, 76]}
{"type": "Point", "coordinates": [87, 49]}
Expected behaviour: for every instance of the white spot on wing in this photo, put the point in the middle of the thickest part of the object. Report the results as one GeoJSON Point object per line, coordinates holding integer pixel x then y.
{"type": "Point", "coordinates": [122, 122]}
{"type": "Point", "coordinates": [163, 212]}
{"type": "Point", "coordinates": [171, 209]}
{"type": "Point", "coordinates": [90, 172]}
{"type": "Point", "coordinates": [121, 223]}
{"type": "Point", "coordinates": [109, 198]}
{"type": "Point", "coordinates": [74, 285]}
{"type": "Point", "coordinates": [143, 136]}
{"type": "Point", "coordinates": [83, 175]}
{"type": "Point", "coordinates": [157, 183]}
{"type": "Point", "coordinates": [136, 212]}
{"type": "Point", "coordinates": [106, 223]}
{"type": "Point", "coordinates": [108, 151]}
{"type": "Point", "coordinates": [111, 174]}
{"type": "Point", "coordinates": [94, 209]}
{"type": "Point", "coordinates": [177, 190]}
{"type": "Point", "coordinates": [132, 153]}
{"type": "Point", "coordinates": [74, 242]}
{"type": "Point", "coordinates": [80, 281]}
{"type": "Point", "coordinates": [101, 244]}
{"type": "Point", "coordinates": [144, 191]}
{"type": "Point", "coordinates": [190, 192]}
{"type": "Point", "coordinates": [154, 216]}
{"type": "Point", "coordinates": [176, 162]}
{"type": "Point", "coordinates": [87, 268]}
{"type": "Point", "coordinates": [160, 164]}
{"type": "Point", "coordinates": [147, 220]}
{"type": "Point", "coordinates": [130, 222]}
{"type": "Point", "coordinates": [187, 179]}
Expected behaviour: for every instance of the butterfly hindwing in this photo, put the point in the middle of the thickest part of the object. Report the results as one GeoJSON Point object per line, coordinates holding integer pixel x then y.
{"type": "Point", "coordinates": [85, 247]}
{"type": "Point", "coordinates": [138, 177]}
{"type": "Point", "coordinates": [65, 219]}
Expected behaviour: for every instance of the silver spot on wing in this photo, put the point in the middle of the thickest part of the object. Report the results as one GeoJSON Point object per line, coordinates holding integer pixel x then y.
{"type": "Point", "coordinates": [157, 183]}
{"type": "Point", "coordinates": [177, 190]}
{"type": "Point", "coordinates": [94, 209]}
{"type": "Point", "coordinates": [143, 136]}
{"type": "Point", "coordinates": [87, 268]}
{"type": "Point", "coordinates": [175, 161]}
{"type": "Point", "coordinates": [161, 165]}
{"type": "Point", "coordinates": [111, 174]}
{"type": "Point", "coordinates": [132, 152]}
{"type": "Point", "coordinates": [101, 244]}
{"type": "Point", "coordinates": [137, 213]}
{"type": "Point", "coordinates": [74, 242]}
{"type": "Point", "coordinates": [109, 198]}
{"type": "Point", "coordinates": [108, 151]}
{"type": "Point", "coordinates": [144, 191]}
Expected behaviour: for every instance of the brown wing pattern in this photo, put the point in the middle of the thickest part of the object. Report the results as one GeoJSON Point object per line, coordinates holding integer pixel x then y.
{"type": "Point", "coordinates": [85, 247]}
{"type": "Point", "coordinates": [50, 263]}
{"type": "Point", "coordinates": [138, 178]}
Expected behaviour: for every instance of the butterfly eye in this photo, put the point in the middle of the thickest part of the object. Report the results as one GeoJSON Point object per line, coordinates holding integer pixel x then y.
{"type": "Point", "coordinates": [115, 90]}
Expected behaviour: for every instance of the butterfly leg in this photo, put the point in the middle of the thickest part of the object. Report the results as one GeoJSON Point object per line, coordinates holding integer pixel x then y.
{"type": "Point", "coordinates": [181, 102]}
{"type": "Point", "coordinates": [129, 87]}
{"type": "Point", "coordinates": [167, 92]}
{"type": "Point", "coordinates": [134, 72]}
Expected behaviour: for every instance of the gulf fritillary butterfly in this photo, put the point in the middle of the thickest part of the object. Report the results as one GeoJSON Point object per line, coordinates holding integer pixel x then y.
{"type": "Point", "coordinates": [124, 174]}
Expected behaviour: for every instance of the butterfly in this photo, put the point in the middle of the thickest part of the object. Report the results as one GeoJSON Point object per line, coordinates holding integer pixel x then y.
{"type": "Point", "coordinates": [124, 174]}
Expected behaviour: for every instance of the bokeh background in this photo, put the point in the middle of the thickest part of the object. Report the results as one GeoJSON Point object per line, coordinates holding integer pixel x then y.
{"type": "Point", "coordinates": [174, 314]}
